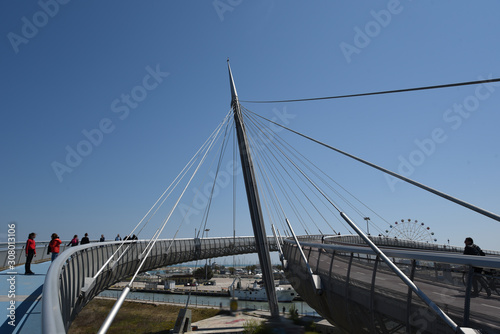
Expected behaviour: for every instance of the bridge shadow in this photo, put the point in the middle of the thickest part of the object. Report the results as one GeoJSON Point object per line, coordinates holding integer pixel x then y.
{"type": "Point", "coordinates": [26, 308]}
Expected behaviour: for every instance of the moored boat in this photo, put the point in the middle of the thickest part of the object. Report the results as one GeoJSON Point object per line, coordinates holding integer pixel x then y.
{"type": "Point", "coordinates": [258, 293]}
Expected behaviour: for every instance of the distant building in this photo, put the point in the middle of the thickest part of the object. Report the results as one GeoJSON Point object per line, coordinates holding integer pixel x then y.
{"type": "Point", "coordinates": [151, 285]}
{"type": "Point", "coordinates": [182, 278]}
{"type": "Point", "coordinates": [169, 285]}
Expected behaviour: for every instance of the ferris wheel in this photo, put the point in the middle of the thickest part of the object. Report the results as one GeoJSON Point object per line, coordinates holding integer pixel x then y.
{"type": "Point", "coordinates": [411, 230]}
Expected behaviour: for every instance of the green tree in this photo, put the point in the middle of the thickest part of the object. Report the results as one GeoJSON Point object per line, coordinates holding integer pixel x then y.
{"type": "Point", "coordinates": [251, 268]}
{"type": "Point", "coordinates": [204, 272]}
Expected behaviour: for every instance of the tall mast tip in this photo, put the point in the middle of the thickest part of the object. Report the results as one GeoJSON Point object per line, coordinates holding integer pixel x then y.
{"type": "Point", "coordinates": [234, 94]}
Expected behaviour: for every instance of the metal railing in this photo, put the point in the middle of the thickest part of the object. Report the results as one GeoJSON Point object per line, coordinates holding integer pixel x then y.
{"type": "Point", "coordinates": [63, 297]}
{"type": "Point", "coordinates": [15, 252]}
{"type": "Point", "coordinates": [361, 293]}
{"type": "Point", "coordinates": [399, 243]}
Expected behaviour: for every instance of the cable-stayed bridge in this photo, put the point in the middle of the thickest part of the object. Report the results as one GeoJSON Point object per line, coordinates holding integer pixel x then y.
{"type": "Point", "coordinates": [359, 293]}
{"type": "Point", "coordinates": [360, 283]}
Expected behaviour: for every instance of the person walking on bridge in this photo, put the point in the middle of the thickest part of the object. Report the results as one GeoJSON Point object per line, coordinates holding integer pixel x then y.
{"type": "Point", "coordinates": [472, 249]}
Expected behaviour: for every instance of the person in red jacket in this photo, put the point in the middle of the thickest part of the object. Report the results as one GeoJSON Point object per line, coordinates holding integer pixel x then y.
{"type": "Point", "coordinates": [30, 253]}
{"type": "Point", "coordinates": [54, 245]}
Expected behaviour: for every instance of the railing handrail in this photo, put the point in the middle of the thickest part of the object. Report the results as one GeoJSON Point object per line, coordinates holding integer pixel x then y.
{"type": "Point", "coordinates": [53, 320]}
{"type": "Point", "coordinates": [423, 255]}
{"type": "Point", "coordinates": [402, 243]}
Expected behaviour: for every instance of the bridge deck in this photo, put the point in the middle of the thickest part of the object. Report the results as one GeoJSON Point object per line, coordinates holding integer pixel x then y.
{"type": "Point", "coordinates": [363, 294]}
{"type": "Point", "coordinates": [27, 295]}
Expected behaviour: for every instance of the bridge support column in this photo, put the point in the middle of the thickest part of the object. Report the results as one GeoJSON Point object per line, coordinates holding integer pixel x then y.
{"type": "Point", "coordinates": [259, 228]}
{"type": "Point", "coordinates": [183, 322]}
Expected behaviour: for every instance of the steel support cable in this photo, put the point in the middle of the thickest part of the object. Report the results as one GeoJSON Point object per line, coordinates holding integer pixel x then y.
{"type": "Point", "coordinates": [285, 145]}
{"type": "Point", "coordinates": [305, 195]}
{"type": "Point", "coordinates": [292, 149]}
{"type": "Point", "coordinates": [257, 155]}
{"type": "Point", "coordinates": [477, 82]}
{"type": "Point", "coordinates": [178, 200]}
{"type": "Point", "coordinates": [289, 200]}
{"type": "Point", "coordinates": [376, 227]}
{"type": "Point", "coordinates": [215, 136]}
{"type": "Point", "coordinates": [301, 220]}
{"type": "Point", "coordinates": [226, 121]}
{"type": "Point", "coordinates": [229, 121]}
{"type": "Point", "coordinates": [261, 156]}
{"type": "Point", "coordinates": [109, 319]}
{"type": "Point", "coordinates": [128, 237]}
{"type": "Point", "coordinates": [285, 193]}
{"type": "Point", "coordinates": [268, 184]}
{"type": "Point", "coordinates": [314, 185]}
{"type": "Point", "coordinates": [228, 125]}
{"type": "Point", "coordinates": [177, 179]}
{"type": "Point", "coordinates": [200, 183]}
{"type": "Point", "coordinates": [393, 267]}
{"type": "Point", "coordinates": [306, 183]}
{"type": "Point", "coordinates": [265, 195]}
{"type": "Point", "coordinates": [254, 148]}
{"type": "Point", "coordinates": [286, 170]}
{"type": "Point", "coordinates": [308, 198]}
{"type": "Point", "coordinates": [190, 163]}
{"type": "Point", "coordinates": [221, 155]}
{"type": "Point", "coordinates": [410, 181]}
{"type": "Point", "coordinates": [275, 194]}
{"type": "Point", "coordinates": [264, 185]}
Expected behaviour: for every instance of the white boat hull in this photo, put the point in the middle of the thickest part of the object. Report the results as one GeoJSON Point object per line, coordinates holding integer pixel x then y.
{"type": "Point", "coordinates": [283, 295]}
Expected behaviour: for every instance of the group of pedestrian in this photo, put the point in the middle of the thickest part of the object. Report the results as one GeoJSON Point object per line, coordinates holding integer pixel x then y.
{"type": "Point", "coordinates": [85, 240]}
{"type": "Point", "coordinates": [53, 248]}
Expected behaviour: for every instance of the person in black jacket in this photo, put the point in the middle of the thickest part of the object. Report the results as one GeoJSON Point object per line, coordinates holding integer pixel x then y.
{"type": "Point", "coordinates": [85, 239]}
{"type": "Point", "coordinates": [472, 249]}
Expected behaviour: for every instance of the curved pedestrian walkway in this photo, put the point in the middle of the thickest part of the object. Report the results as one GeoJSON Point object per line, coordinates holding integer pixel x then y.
{"type": "Point", "coordinates": [20, 299]}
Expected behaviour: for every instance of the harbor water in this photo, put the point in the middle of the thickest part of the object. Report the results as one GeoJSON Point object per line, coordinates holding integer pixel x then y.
{"type": "Point", "coordinates": [216, 301]}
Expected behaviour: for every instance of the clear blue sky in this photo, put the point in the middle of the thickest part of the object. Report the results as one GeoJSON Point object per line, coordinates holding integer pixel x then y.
{"type": "Point", "coordinates": [67, 69]}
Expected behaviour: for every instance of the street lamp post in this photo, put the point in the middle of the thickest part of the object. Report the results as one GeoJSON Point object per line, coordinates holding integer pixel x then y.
{"type": "Point", "coordinates": [367, 227]}
{"type": "Point", "coordinates": [206, 261]}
